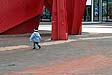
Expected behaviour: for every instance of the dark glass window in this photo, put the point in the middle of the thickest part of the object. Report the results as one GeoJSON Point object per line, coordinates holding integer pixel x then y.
{"type": "Point", "coordinates": [46, 16]}
{"type": "Point", "coordinates": [87, 13]}
{"type": "Point", "coordinates": [107, 10]}
{"type": "Point", "coordinates": [96, 10]}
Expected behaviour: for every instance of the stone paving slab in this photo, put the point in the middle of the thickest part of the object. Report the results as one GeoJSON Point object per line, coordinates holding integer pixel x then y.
{"type": "Point", "coordinates": [83, 66]}
{"type": "Point", "coordinates": [86, 54]}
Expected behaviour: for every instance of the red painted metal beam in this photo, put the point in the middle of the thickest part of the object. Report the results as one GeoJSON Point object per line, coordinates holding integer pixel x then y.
{"type": "Point", "coordinates": [17, 12]}
{"type": "Point", "coordinates": [79, 6]}
{"type": "Point", "coordinates": [75, 11]}
{"type": "Point", "coordinates": [59, 20]}
{"type": "Point", "coordinates": [21, 16]}
{"type": "Point", "coordinates": [70, 13]}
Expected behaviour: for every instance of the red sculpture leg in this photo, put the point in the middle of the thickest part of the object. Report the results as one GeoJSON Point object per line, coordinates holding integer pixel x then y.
{"type": "Point", "coordinates": [81, 11]}
{"type": "Point", "coordinates": [70, 13]}
{"type": "Point", "coordinates": [75, 24]}
{"type": "Point", "coordinates": [75, 15]}
{"type": "Point", "coordinates": [79, 6]}
{"type": "Point", "coordinates": [22, 16]}
{"type": "Point", "coordinates": [59, 20]}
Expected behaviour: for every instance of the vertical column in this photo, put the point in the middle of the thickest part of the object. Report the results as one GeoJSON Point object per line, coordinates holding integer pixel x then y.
{"type": "Point", "coordinates": [59, 20]}
{"type": "Point", "coordinates": [92, 14]}
{"type": "Point", "coordinates": [100, 11]}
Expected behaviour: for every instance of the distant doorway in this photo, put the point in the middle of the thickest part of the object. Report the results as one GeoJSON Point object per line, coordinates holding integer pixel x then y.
{"type": "Point", "coordinates": [107, 10]}
{"type": "Point", "coordinates": [87, 14]}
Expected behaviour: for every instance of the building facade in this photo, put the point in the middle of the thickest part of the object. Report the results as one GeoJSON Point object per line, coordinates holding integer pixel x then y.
{"type": "Point", "coordinates": [96, 11]}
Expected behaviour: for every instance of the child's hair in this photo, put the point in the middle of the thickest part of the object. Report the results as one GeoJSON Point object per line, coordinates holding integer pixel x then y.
{"type": "Point", "coordinates": [36, 29]}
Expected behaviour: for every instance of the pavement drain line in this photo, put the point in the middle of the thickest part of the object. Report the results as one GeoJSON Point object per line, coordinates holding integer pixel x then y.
{"type": "Point", "coordinates": [13, 47]}
{"type": "Point", "coordinates": [50, 43]}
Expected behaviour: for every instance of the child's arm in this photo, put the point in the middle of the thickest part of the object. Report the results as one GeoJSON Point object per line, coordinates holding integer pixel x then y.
{"type": "Point", "coordinates": [39, 35]}
{"type": "Point", "coordinates": [31, 37]}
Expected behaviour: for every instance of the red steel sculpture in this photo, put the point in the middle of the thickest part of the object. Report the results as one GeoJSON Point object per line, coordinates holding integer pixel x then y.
{"type": "Point", "coordinates": [21, 16]}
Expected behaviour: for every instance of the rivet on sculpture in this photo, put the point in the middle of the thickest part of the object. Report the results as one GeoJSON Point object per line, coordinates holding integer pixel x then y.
{"type": "Point", "coordinates": [21, 16]}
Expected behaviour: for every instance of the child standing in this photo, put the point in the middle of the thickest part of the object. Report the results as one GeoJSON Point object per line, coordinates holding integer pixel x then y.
{"type": "Point", "coordinates": [35, 38]}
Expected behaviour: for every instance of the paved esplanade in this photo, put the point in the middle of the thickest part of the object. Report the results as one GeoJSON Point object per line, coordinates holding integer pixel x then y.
{"type": "Point", "coordinates": [86, 54]}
